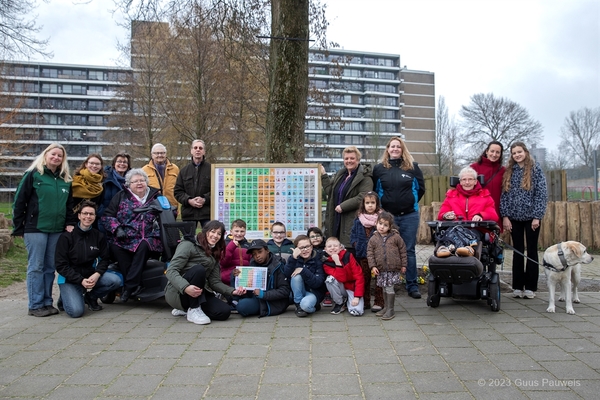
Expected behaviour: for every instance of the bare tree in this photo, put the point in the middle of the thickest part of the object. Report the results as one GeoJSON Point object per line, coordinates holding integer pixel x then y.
{"type": "Point", "coordinates": [18, 30]}
{"type": "Point", "coordinates": [580, 134]}
{"type": "Point", "coordinates": [558, 159]}
{"type": "Point", "coordinates": [489, 118]}
{"type": "Point", "coordinates": [446, 139]}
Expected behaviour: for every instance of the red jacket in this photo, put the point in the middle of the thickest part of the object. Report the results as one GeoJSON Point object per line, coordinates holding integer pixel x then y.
{"type": "Point", "coordinates": [235, 256]}
{"type": "Point", "coordinates": [349, 273]}
{"type": "Point", "coordinates": [468, 204]}
{"type": "Point", "coordinates": [492, 177]}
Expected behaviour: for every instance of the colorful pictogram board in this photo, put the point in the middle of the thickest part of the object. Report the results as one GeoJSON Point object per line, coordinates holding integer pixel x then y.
{"type": "Point", "coordinates": [261, 194]}
{"type": "Point", "coordinates": [251, 278]}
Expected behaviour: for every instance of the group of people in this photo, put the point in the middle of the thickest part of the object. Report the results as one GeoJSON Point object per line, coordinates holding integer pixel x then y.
{"type": "Point", "coordinates": [75, 225]}
{"type": "Point", "coordinates": [515, 196]}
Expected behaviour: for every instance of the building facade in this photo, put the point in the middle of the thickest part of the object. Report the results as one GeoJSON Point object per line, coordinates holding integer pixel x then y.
{"type": "Point", "coordinates": [362, 99]}
{"type": "Point", "coordinates": [42, 103]}
{"type": "Point", "coordinates": [356, 99]}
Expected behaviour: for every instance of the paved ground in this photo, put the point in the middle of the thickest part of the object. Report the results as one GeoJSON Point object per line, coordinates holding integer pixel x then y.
{"type": "Point", "coordinates": [460, 350]}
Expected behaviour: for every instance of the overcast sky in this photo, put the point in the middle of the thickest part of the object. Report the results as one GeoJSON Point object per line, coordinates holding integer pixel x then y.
{"type": "Point", "coordinates": [542, 54]}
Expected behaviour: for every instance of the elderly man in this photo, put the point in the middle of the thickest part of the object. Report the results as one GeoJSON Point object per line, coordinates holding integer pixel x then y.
{"type": "Point", "coordinates": [162, 173]}
{"type": "Point", "coordinates": [192, 188]}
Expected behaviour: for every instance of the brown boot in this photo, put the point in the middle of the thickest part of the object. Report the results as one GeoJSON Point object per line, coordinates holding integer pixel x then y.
{"type": "Point", "coordinates": [378, 303]}
{"type": "Point", "coordinates": [389, 300]}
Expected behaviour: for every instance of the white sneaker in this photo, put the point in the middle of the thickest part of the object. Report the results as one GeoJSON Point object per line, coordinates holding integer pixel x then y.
{"type": "Point", "coordinates": [529, 294]}
{"type": "Point", "coordinates": [178, 313]}
{"type": "Point", "coordinates": [197, 316]}
{"type": "Point", "coordinates": [518, 293]}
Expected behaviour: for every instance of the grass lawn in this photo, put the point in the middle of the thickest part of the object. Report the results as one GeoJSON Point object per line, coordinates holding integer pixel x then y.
{"type": "Point", "coordinates": [13, 265]}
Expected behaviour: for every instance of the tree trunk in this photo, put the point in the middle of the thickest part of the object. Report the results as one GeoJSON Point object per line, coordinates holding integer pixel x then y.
{"type": "Point", "coordinates": [288, 81]}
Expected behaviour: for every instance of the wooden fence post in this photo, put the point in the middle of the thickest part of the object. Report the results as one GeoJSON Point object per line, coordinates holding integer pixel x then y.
{"type": "Point", "coordinates": [573, 222]}
{"type": "Point", "coordinates": [585, 215]}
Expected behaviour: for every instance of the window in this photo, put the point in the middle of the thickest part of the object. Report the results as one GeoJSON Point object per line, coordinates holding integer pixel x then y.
{"type": "Point", "coordinates": [49, 73]}
{"type": "Point", "coordinates": [49, 88]}
{"type": "Point", "coordinates": [97, 120]}
{"type": "Point", "coordinates": [351, 72]}
{"type": "Point", "coordinates": [96, 105]}
{"type": "Point", "coordinates": [96, 75]}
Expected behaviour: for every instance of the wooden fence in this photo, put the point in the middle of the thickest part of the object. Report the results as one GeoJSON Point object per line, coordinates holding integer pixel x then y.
{"type": "Point", "coordinates": [563, 221]}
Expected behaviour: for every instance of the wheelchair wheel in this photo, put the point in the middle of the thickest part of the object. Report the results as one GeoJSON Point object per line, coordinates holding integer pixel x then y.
{"type": "Point", "coordinates": [109, 298]}
{"type": "Point", "coordinates": [433, 300]}
{"type": "Point", "coordinates": [495, 296]}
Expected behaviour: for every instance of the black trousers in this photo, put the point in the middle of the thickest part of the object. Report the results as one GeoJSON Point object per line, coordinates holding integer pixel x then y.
{"type": "Point", "coordinates": [214, 308]}
{"type": "Point", "coordinates": [131, 263]}
{"type": "Point", "coordinates": [525, 275]}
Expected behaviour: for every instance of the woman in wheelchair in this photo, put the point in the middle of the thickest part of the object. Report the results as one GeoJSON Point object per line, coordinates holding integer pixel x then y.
{"type": "Point", "coordinates": [469, 202]}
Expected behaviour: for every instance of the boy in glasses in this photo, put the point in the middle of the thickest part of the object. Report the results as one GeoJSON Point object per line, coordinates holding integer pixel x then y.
{"type": "Point", "coordinates": [279, 244]}
{"type": "Point", "coordinates": [304, 269]}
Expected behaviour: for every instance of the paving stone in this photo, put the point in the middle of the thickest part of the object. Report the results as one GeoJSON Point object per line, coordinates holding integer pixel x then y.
{"type": "Point", "coordinates": [287, 375]}
{"type": "Point", "coordinates": [133, 385]}
{"type": "Point", "coordinates": [333, 365]}
{"type": "Point", "coordinates": [94, 376]}
{"type": "Point", "coordinates": [31, 386]}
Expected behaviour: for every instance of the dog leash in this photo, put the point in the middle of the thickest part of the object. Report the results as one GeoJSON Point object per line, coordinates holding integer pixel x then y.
{"type": "Point", "coordinates": [545, 264]}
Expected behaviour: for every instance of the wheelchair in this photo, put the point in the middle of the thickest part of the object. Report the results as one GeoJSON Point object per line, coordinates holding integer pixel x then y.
{"type": "Point", "coordinates": [470, 278]}
{"type": "Point", "coordinates": [154, 280]}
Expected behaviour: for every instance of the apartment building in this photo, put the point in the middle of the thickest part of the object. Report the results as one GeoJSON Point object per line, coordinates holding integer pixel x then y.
{"type": "Point", "coordinates": [44, 102]}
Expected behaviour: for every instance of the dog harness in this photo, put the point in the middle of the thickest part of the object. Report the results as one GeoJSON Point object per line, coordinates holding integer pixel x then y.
{"type": "Point", "coordinates": [561, 257]}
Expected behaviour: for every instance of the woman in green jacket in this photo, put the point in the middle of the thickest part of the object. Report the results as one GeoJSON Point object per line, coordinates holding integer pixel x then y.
{"type": "Point", "coordinates": [194, 277]}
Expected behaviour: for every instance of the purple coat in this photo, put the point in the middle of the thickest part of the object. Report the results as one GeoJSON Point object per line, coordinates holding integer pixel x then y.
{"type": "Point", "coordinates": [137, 226]}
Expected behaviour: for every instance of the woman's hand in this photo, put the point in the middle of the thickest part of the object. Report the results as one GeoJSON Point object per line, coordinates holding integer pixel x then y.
{"type": "Point", "coordinates": [239, 291]}
{"type": "Point", "coordinates": [535, 224]}
{"type": "Point", "coordinates": [450, 215]}
{"type": "Point", "coordinates": [193, 291]}
{"type": "Point", "coordinates": [338, 209]}
{"type": "Point", "coordinates": [507, 224]}
{"type": "Point", "coordinates": [477, 217]}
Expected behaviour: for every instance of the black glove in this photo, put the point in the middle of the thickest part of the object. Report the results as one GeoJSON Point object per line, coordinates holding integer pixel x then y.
{"type": "Point", "coordinates": [120, 233]}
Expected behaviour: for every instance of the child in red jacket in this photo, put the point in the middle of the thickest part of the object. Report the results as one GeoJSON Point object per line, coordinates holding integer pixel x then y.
{"type": "Point", "coordinates": [235, 252]}
{"type": "Point", "coordinates": [345, 282]}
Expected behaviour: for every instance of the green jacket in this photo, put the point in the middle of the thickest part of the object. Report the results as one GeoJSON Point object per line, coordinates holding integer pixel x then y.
{"type": "Point", "coordinates": [361, 184]}
{"type": "Point", "coordinates": [186, 256]}
{"type": "Point", "coordinates": [43, 203]}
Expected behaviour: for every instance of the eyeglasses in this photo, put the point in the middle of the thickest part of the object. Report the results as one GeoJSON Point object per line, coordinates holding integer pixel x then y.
{"type": "Point", "coordinates": [278, 232]}
{"type": "Point", "coordinates": [87, 214]}
{"type": "Point", "coordinates": [121, 162]}
{"type": "Point", "coordinates": [305, 247]}
{"type": "Point", "coordinates": [138, 182]}
{"type": "Point", "coordinates": [315, 236]}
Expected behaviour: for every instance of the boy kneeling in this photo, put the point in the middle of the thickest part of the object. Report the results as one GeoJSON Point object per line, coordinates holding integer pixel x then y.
{"type": "Point", "coordinates": [345, 282]}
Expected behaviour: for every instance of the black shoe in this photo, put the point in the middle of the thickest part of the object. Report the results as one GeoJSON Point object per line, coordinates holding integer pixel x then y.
{"type": "Point", "coordinates": [415, 294]}
{"type": "Point", "coordinates": [338, 309]}
{"type": "Point", "coordinates": [317, 307]}
{"type": "Point", "coordinates": [137, 291]}
{"type": "Point", "coordinates": [51, 310]}
{"type": "Point", "coordinates": [91, 302]}
{"type": "Point", "coordinates": [59, 304]}
{"type": "Point", "coordinates": [39, 312]}
{"type": "Point", "coordinates": [300, 312]}
{"type": "Point", "coordinates": [125, 295]}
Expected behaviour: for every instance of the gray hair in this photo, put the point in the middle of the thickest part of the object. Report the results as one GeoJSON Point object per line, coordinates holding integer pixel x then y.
{"type": "Point", "coordinates": [467, 170]}
{"type": "Point", "coordinates": [135, 172]}
{"type": "Point", "coordinates": [160, 147]}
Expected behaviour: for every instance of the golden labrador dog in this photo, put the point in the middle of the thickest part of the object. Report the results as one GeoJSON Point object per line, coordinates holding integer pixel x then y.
{"type": "Point", "coordinates": [568, 265]}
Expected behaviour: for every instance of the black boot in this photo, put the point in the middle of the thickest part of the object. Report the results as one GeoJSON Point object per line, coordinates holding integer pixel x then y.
{"type": "Point", "coordinates": [91, 302]}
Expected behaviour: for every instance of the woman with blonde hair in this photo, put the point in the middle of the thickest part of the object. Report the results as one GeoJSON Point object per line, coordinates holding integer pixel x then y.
{"type": "Point", "coordinates": [399, 182]}
{"type": "Point", "coordinates": [42, 211]}
{"type": "Point", "coordinates": [522, 206]}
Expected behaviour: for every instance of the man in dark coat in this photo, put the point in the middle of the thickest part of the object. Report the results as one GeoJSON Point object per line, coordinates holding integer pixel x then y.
{"type": "Point", "coordinates": [192, 188]}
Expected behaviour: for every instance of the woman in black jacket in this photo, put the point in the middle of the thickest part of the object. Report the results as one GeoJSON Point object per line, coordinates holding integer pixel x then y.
{"type": "Point", "coordinates": [82, 259]}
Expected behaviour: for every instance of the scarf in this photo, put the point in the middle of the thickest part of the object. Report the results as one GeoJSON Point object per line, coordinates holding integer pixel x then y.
{"type": "Point", "coordinates": [368, 220]}
{"type": "Point", "coordinates": [87, 185]}
{"type": "Point", "coordinates": [469, 193]}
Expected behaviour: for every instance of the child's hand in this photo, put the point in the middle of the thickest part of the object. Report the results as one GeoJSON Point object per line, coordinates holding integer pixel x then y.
{"type": "Point", "coordinates": [336, 259]}
{"type": "Point", "coordinates": [296, 252]}
{"type": "Point", "coordinates": [236, 272]}
{"type": "Point", "coordinates": [403, 270]}
{"type": "Point", "coordinates": [297, 271]}
{"type": "Point", "coordinates": [375, 271]}
{"type": "Point", "coordinates": [355, 301]}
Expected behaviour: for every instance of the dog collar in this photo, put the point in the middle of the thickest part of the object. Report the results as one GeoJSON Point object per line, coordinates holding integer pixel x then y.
{"type": "Point", "coordinates": [561, 257]}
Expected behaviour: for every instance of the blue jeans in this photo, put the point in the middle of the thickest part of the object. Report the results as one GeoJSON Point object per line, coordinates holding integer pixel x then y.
{"type": "Point", "coordinates": [248, 306]}
{"type": "Point", "coordinates": [72, 294]}
{"type": "Point", "coordinates": [408, 225]}
{"type": "Point", "coordinates": [40, 267]}
{"type": "Point", "coordinates": [305, 298]}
